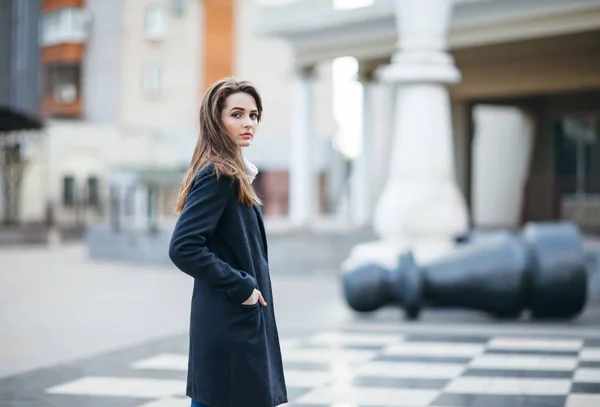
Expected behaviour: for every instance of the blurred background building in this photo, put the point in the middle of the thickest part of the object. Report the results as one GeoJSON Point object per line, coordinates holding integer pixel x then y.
{"type": "Point", "coordinates": [122, 82]}
{"type": "Point", "coordinates": [20, 92]}
{"type": "Point", "coordinates": [525, 112]}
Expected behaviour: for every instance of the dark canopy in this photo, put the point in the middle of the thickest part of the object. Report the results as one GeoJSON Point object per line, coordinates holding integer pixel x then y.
{"type": "Point", "coordinates": [11, 120]}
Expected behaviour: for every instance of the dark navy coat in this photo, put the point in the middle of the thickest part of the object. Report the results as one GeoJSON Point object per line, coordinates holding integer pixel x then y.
{"type": "Point", "coordinates": [234, 355]}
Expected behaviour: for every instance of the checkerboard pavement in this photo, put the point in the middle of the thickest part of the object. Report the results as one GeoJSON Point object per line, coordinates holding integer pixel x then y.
{"type": "Point", "coordinates": [361, 367]}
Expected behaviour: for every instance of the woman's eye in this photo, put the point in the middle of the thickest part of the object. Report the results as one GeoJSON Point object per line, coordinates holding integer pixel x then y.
{"type": "Point", "coordinates": [254, 116]}
{"type": "Point", "coordinates": [236, 115]}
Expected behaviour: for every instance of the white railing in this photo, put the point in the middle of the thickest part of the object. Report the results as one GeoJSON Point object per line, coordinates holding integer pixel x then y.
{"type": "Point", "coordinates": [66, 25]}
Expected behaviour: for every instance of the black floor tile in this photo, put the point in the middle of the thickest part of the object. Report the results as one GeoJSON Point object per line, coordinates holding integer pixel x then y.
{"type": "Point", "coordinates": [477, 400]}
{"type": "Point", "coordinates": [585, 388]}
{"type": "Point", "coordinates": [446, 338]}
{"type": "Point", "coordinates": [420, 359]}
{"type": "Point", "coordinates": [521, 352]}
{"type": "Point", "coordinates": [592, 342]}
{"type": "Point", "coordinates": [542, 374]}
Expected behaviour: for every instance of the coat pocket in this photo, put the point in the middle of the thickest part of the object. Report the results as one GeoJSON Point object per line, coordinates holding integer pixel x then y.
{"type": "Point", "coordinates": [245, 321]}
{"type": "Point", "coordinates": [250, 307]}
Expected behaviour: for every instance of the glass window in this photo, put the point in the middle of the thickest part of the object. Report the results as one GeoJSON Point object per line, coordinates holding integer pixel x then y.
{"type": "Point", "coordinates": [68, 191]}
{"type": "Point", "coordinates": [93, 191]}
{"type": "Point", "coordinates": [577, 139]}
{"type": "Point", "coordinates": [62, 81]}
{"type": "Point", "coordinates": [178, 7]}
{"type": "Point", "coordinates": [152, 79]}
{"type": "Point", "coordinates": [155, 25]}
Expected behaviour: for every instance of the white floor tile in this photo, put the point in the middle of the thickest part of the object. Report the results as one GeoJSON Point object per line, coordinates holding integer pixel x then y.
{"type": "Point", "coordinates": [587, 375]}
{"type": "Point", "coordinates": [346, 356]}
{"type": "Point", "coordinates": [348, 338]}
{"type": "Point", "coordinates": [583, 400]}
{"type": "Point", "coordinates": [166, 361]}
{"type": "Point", "coordinates": [168, 402]}
{"type": "Point", "coordinates": [411, 370]}
{"type": "Point", "coordinates": [519, 362]}
{"type": "Point", "coordinates": [438, 349]}
{"type": "Point", "coordinates": [509, 386]}
{"type": "Point", "coordinates": [121, 387]}
{"type": "Point", "coordinates": [542, 344]}
{"type": "Point", "coordinates": [288, 343]}
{"type": "Point", "coordinates": [590, 354]}
{"type": "Point", "coordinates": [365, 396]}
{"type": "Point", "coordinates": [306, 378]}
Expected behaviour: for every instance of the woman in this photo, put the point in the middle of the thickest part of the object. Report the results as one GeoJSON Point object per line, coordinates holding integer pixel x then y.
{"type": "Point", "coordinates": [219, 240]}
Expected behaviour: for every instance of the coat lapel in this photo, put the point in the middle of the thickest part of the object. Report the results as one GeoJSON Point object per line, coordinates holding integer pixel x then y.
{"type": "Point", "coordinates": [261, 225]}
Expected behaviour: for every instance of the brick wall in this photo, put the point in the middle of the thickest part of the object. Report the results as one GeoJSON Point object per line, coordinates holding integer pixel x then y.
{"type": "Point", "coordinates": [51, 5]}
{"type": "Point", "coordinates": [219, 40]}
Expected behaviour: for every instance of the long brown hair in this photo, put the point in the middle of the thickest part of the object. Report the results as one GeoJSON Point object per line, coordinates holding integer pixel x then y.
{"type": "Point", "coordinates": [214, 146]}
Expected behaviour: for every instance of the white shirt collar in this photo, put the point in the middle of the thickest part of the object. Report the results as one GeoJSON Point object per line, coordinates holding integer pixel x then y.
{"type": "Point", "coordinates": [251, 169]}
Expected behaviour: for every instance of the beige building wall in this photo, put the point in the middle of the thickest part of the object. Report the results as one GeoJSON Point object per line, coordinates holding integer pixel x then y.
{"type": "Point", "coordinates": [147, 130]}
{"type": "Point", "coordinates": [177, 53]}
{"type": "Point", "coordinates": [269, 64]}
{"type": "Point", "coordinates": [34, 185]}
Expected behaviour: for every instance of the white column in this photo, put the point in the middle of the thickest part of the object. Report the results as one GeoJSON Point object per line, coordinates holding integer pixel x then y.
{"type": "Point", "coordinates": [302, 174]}
{"type": "Point", "coordinates": [380, 140]}
{"type": "Point", "coordinates": [360, 185]}
{"type": "Point", "coordinates": [421, 208]}
{"type": "Point", "coordinates": [502, 148]}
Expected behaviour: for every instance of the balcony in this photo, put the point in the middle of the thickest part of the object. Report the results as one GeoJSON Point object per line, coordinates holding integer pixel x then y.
{"type": "Point", "coordinates": [51, 107]}
{"type": "Point", "coordinates": [62, 53]}
{"type": "Point", "coordinates": [65, 26]}
{"type": "Point", "coordinates": [62, 95]}
{"type": "Point", "coordinates": [51, 5]}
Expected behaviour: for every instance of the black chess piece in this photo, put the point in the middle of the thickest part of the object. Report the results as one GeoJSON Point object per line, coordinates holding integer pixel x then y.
{"type": "Point", "coordinates": [541, 269]}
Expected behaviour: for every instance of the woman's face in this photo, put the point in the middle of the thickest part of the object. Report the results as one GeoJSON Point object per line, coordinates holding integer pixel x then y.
{"type": "Point", "coordinates": [240, 118]}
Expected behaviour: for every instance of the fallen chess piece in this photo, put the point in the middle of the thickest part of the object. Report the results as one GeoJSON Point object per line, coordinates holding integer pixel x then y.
{"type": "Point", "coordinates": [542, 270]}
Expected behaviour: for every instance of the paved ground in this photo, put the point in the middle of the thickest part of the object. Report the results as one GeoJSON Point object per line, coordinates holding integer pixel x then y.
{"type": "Point", "coordinates": [76, 333]}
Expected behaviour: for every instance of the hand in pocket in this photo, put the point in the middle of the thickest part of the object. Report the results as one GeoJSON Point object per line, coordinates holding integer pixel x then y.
{"type": "Point", "coordinates": [254, 298]}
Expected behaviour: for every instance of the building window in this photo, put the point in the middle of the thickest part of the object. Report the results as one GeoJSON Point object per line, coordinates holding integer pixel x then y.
{"type": "Point", "coordinates": [152, 80]}
{"type": "Point", "coordinates": [62, 82]}
{"type": "Point", "coordinates": [68, 191]}
{"type": "Point", "coordinates": [178, 7]}
{"type": "Point", "coordinates": [155, 25]}
{"type": "Point", "coordinates": [93, 191]}
{"type": "Point", "coordinates": [66, 25]}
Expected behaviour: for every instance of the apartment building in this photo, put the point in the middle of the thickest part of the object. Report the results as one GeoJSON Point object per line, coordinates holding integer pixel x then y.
{"type": "Point", "coordinates": [20, 78]}
{"type": "Point", "coordinates": [122, 85]}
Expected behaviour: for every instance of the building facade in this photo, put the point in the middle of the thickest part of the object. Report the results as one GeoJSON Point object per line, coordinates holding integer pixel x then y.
{"type": "Point", "coordinates": [20, 75]}
{"type": "Point", "coordinates": [20, 99]}
{"type": "Point", "coordinates": [520, 79]}
{"type": "Point", "coordinates": [120, 93]}
{"type": "Point", "coordinates": [122, 84]}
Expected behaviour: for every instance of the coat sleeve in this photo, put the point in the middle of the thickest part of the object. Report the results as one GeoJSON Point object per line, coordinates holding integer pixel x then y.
{"type": "Point", "coordinates": [188, 249]}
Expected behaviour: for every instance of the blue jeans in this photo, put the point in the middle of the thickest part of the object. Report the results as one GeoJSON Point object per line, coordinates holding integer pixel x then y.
{"type": "Point", "coordinates": [196, 404]}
